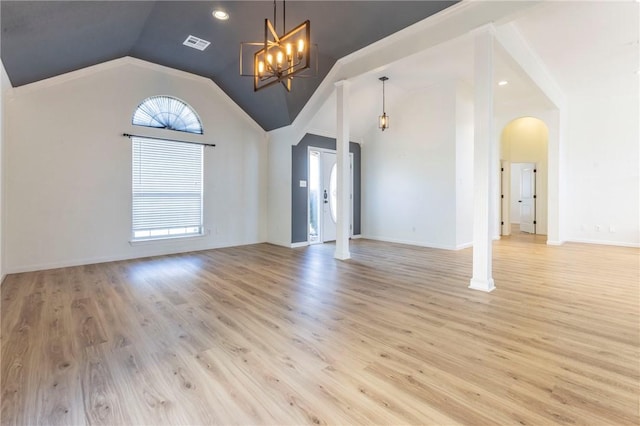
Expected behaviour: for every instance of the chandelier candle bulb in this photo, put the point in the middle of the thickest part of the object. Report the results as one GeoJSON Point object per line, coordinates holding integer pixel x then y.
{"type": "Point", "coordinates": [279, 60]}
{"type": "Point", "coordinates": [260, 67]}
{"type": "Point", "coordinates": [289, 58]}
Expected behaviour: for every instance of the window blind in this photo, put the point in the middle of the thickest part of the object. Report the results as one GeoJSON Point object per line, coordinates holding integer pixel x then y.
{"type": "Point", "coordinates": [165, 112]}
{"type": "Point", "coordinates": [167, 188]}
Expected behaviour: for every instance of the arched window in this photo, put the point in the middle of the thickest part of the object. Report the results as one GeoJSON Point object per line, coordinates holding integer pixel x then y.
{"type": "Point", "coordinates": [167, 184]}
{"type": "Point", "coordinates": [166, 112]}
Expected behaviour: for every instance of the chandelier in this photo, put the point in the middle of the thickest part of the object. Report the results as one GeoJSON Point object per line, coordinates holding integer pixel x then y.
{"type": "Point", "coordinates": [383, 120]}
{"type": "Point", "coordinates": [281, 57]}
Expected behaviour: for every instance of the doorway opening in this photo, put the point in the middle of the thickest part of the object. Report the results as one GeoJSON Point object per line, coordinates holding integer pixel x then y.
{"type": "Point", "coordinates": [323, 195]}
{"type": "Point", "coordinates": [524, 165]}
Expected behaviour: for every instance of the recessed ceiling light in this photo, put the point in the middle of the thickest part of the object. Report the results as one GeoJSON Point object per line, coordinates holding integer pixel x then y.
{"type": "Point", "coordinates": [503, 83]}
{"type": "Point", "coordinates": [220, 14]}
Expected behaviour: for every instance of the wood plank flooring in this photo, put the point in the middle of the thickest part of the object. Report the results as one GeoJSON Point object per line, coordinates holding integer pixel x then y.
{"type": "Point", "coordinates": [266, 335]}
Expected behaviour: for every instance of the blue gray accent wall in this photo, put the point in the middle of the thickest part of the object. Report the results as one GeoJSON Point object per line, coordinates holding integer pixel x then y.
{"type": "Point", "coordinates": [300, 171]}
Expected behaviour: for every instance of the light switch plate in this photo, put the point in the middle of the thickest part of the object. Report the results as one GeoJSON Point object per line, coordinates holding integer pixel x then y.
{"type": "Point", "coordinates": [303, 184]}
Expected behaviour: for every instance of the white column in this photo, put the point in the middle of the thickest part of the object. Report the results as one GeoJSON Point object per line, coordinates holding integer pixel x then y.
{"type": "Point", "coordinates": [343, 171]}
{"type": "Point", "coordinates": [483, 140]}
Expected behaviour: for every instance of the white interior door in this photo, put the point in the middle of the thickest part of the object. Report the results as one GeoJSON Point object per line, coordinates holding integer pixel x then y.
{"type": "Point", "coordinates": [329, 195]}
{"type": "Point", "coordinates": [527, 199]}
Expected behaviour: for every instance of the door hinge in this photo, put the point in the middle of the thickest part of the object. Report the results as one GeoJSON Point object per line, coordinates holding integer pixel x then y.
{"type": "Point", "coordinates": [534, 196]}
{"type": "Point", "coordinates": [501, 195]}
{"type": "Point", "coordinates": [535, 171]}
{"type": "Point", "coordinates": [534, 222]}
{"type": "Point", "coordinates": [501, 223]}
{"type": "Point", "coordinates": [502, 169]}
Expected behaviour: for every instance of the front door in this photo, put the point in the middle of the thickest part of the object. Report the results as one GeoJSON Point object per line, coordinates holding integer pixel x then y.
{"type": "Point", "coordinates": [527, 200]}
{"type": "Point", "coordinates": [329, 195]}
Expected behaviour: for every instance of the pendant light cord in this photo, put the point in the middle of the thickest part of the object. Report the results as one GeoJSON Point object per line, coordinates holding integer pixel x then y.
{"type": "Point", "coordinates": [383, 109]}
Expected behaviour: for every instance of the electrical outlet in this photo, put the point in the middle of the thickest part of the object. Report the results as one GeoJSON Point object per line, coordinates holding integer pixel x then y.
{"type": "Point", "coordinates": [598, 228]}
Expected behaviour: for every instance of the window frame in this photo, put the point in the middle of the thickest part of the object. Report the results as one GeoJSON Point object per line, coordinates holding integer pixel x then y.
{"type": "Point", "coordinates": [136, 174]}
{"type": "Point", "coordinates": [160, 180]}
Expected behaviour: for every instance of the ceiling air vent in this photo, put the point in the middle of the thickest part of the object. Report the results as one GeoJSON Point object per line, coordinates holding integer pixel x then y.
{"type": "Point", "coordinates": [196, 43]}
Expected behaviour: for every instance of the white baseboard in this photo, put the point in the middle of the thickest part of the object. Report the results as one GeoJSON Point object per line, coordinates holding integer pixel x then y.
{"type": "Point", "coordinates": [604, 243]}
{"type": "Point", "coordinates": [554, 243]}
{"type": "Point", "coordinates": [300, 244]}
{"type": "Point", "coordinates": [417, 243]}
{"type": "Point", "coordinates": [116, 258]}
{"type": "Point", "coordinates": [279, 243]}
{"type": "Point", "coordinates": [482, 285]}
{"type": "Point", "coordinates": [356, 237]}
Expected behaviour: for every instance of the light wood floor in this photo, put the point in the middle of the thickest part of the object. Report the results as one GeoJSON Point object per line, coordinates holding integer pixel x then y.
{"type": "Point", "coordinates": [267, 335]}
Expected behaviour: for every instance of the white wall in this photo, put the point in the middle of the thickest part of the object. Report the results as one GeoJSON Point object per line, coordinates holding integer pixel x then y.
{"type": "Point", "coordinates": [464, 165]}
{"type": "Point", "coordinates": [5, 86]}
{"type": "Point", "coordinates": [409, 172]}
{"type": "Point", "coordinates": [603, 179]}
{"type": "Point", "coordinates": [279, 185]}
{"type": "Point", "coordinates": [68, 189]}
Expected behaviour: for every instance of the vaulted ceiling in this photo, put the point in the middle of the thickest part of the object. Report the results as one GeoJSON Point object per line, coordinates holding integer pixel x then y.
{"type": "Point", "coordinates": [42, 39]}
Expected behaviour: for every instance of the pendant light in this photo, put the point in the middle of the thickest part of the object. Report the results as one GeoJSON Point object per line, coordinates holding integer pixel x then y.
{"type": "Point", "coordinates": [383, 120]}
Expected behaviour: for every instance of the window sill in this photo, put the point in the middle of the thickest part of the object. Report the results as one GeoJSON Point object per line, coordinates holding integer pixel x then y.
{"type": "Point", "coordinates": [147, 241]}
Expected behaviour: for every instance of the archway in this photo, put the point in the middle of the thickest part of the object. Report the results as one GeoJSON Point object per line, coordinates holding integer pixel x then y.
{"type": "Point", "coordinates": [524, 146]}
